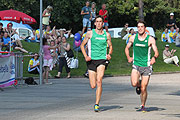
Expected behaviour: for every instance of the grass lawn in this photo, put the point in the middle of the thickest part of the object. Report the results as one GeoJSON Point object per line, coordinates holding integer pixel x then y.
{"type": "Point", "coordinates": [118, 64]}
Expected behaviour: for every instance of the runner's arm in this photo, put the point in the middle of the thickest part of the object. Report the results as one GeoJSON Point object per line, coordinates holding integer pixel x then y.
{"type": "Point", "coordinates": [84, 42]}
{"type": "Point", "coordinates": [130, 43]}
{"type": "Point", "coordinates": [154, 47]}
{"type": "Point", "coordinates": [110, 46]}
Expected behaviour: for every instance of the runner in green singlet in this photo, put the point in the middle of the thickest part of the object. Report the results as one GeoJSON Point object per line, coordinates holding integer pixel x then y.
{"type": "Point", "coordinates": [142, 61]}
{"type": "Point", "coordinates": [97, 40]}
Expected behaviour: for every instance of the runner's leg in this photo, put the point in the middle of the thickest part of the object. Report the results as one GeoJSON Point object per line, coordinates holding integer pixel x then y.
{"type": "Point", "coordinates": [100, 74]}
{"type": "Point", "coordinates": [92, 78]}
{"type": "Point", "coordinates": [135, 75]}
{"type": "Point", "coordinates": [144, 84]}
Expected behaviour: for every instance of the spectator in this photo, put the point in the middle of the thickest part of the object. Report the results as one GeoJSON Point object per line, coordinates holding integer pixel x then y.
{"type": "Point", "coordinates": [63, 47]}
{"type": "Point", "coordinates": [172, 35]}
{"type": "Point", "coordinates": [53, 53]}
{"type": "Point", "coordinates": [46, 16]}
{"type": "Point", "coordinates": [86, 17]}
{"type": "Point", "coordinates": [47, 66]}
{"type": "Point", "coordinates": [104, 13]}
{"type": "Point", "coordinates": [168, 56]}
{"type": "Point", "coordinates": [16, 45]}
{"type": "Point", "coordinates": [64, 32]}
{"type": "Point", "coordinates": [165, 35]}
{"type": "Point", "coordinates": [125, 30]}
{"type": "Point", "coordinates": [1, 39]}
{"type": "Point", "coordinates": [1, 27]}
{"type": "Point", "coordinates": [178, 40]}
{"type": "Point", "coordinates": [33, 37]}
{"type": "Point", "coordinates": [10, 30]}
{"type": "Point", "coordinates": [131, 32]}
{"type": "Point", "coordinates": [93, 14]}
{"type": "Point", "coordinates": [47, 32]}
{"type": "Point", "coordinates": [171, 22]}
{"type": "Point", "coordinates": [33, 67]}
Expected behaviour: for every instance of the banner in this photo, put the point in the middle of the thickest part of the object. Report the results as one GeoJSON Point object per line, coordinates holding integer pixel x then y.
{"type": "Point", "coordinates": [7, 70]}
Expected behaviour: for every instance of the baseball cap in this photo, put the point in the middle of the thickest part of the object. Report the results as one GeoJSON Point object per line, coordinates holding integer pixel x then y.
{"type": "Point", "coordinates": [166, 45]}
{"type": "Point", "coordinates": [172, 14]}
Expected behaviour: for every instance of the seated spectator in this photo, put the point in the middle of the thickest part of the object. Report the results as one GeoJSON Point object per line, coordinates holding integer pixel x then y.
{"type": "Point", "coordinates": [15, 43]}
{"type": "Point", "coordinates": [10, 30]}
{"type": "Point", "coordinates": [64, 32]}
{"type": "Point", "coordinates": [125, 30]}
{"type": "Point", "coordinates": [168, 56]}
{"type": "Point", "coordinates": [131, 32]}
{"type": "Point", "coordinates": [33, 66]}
{"type": "Point", "coordinates": [32, 38]}
{"type": "Point", "coordinates": [172, 35]}
{"type": "Point", "coordinates": [164, 36]}
{"type": "Point", "coordinates": [47, 32]}
{"type": "Point", "coordinates": [178, 40]}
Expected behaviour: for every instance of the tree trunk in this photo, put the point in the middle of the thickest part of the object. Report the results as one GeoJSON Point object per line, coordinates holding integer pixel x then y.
{"type": "Point", "coordinates": [141, 16]}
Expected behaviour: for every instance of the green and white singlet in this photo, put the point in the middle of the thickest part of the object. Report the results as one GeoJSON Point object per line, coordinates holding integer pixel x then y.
{"type": "Point", "coordinates": [141, 52]}
{"type": "Point", "coordinates": [97, 46]}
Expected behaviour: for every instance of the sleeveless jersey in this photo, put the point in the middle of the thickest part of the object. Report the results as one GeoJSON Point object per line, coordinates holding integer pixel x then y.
{"type": "Point", "coordinates": [141, 52]}
{"type": "Point", "coordinates": [97, 46]}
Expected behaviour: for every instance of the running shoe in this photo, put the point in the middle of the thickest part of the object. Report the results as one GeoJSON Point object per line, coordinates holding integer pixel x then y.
{"type": "Point", "coordinates": [96, 108]}
{"type": "Point", "coordinates": [138, 90]}
{"type": "Point", "coordinates": [143, 109]}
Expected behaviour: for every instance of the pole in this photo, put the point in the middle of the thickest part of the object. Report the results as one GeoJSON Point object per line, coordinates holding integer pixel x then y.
{"type": "Point", "coordinates": [40, 50]}
{"type": "Point", "coordinates": [141, 16]}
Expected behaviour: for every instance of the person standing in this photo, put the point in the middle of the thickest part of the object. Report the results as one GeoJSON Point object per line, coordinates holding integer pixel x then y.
{"type": "Point", "coordinates": [125, 30]}
{"type": "Point", "coordinates": [97, 40]}
{"type": "Point", "coordinates": [47, 66]}
{"type": "Point", "coordinates": [86, 17]}
{"type": "Point", "coordinates": [63, 48]}
{"type": "Point", "coordinates": [171, 22]}
{"type": "Point", "coordinates": [93, 14]}
{"type": "Point", "coordinates": [104, 13]}
{"type": "Point", "coordinates": [46, 16]}
{"type": "Point", "coordinates": [142, 64]}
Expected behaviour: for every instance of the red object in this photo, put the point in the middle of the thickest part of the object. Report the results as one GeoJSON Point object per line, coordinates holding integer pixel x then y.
{"type": "Point", "coordinates": [102, 12]}
{"type": "Point", "coordinates": [16, 16]}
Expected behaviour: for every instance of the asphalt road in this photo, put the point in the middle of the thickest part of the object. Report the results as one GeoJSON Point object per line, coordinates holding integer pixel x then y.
{"type": "Point", "coordinates": [73, 99]}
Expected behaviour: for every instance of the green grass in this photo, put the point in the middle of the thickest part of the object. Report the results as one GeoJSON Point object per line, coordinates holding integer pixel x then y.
{"type": "Point", "coordinates": [118, 64]}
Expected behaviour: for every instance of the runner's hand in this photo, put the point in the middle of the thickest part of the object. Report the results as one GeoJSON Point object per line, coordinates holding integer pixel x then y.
{"type": "Point", "coordinates": [153, 60]}
{"type": "Point", "coordinates": [130, 60]}
{"type": "Point", "coordinates": [108, 57]}
{"type": "Point", "coordinates": [87, 58]}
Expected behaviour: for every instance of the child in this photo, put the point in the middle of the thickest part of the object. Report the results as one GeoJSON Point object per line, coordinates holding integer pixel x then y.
{"type": "Point", "coordinates": [47, 60]}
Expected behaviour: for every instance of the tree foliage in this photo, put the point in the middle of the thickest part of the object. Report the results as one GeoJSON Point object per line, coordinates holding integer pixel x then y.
{"type": "Point", "coordinates": [66, 13]}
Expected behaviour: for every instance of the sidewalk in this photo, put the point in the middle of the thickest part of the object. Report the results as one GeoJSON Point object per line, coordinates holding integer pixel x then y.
{"type": "Point", "coordinates": [73, 99]}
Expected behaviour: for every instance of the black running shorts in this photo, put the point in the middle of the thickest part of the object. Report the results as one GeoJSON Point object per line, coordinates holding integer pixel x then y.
{"type": "Point", "coordinates": [93, 64]}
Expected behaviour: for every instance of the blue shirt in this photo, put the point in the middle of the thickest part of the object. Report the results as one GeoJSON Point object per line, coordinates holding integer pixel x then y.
{"type": "Point", "coordinates": [86, 9]}
{"type": "Point", "coordinates": [6, 40]}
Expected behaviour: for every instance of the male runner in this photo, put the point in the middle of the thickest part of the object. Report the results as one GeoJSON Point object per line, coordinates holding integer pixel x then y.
{"type": "Point", "coordinates": [97, 40]}
{"type": "Point", "coordinates": [142, 64]}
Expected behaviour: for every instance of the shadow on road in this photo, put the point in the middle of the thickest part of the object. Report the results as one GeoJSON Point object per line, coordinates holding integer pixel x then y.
{"type": "Point", "coordinates": [172, 115]}
{"type": "Point", "coordinates": [149, 109]}
{"type": "Point", "coordinates": [106, 108]}
{"type": "Point", "coordinates": [175, 93]}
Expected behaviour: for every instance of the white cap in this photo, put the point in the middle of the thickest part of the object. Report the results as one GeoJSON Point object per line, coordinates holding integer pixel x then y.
{"type": "Point", "coordinates": [166, 45]}
{"type": "Point", "coordinates": [172, 14]}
